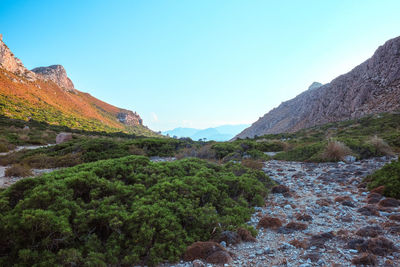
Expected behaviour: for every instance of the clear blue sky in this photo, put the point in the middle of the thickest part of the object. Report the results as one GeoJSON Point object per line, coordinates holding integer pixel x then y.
{"type": "Point", "coordinates": [197, 63]}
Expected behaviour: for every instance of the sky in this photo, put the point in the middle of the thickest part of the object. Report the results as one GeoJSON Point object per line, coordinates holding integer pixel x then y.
{"type": "Point", "coordinates": [197, 63]}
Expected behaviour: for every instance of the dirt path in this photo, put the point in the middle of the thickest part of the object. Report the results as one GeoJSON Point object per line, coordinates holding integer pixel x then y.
{"type": "Point", "coordinates": [325, 219]}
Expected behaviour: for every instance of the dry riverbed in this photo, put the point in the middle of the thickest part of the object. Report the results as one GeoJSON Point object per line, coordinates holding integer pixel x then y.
{"type": "Point", "coordinates": [321, 215]}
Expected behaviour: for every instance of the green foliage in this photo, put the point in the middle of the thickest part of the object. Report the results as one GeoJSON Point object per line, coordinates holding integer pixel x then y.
{"type": "Point", "coordinates": [124, 211]}
{"type": "Point", "coordinates": [388, 176]}
{"type": "Point", "coordinates": [308, 144]}
{"type": "Point", "coordinates": [309, 152]}
{"type": "Point", "coordinates": [82, 150]}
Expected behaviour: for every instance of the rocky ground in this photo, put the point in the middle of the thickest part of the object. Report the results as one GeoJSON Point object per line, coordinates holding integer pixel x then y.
{"type": "Point", "coordinates": [321, 215]}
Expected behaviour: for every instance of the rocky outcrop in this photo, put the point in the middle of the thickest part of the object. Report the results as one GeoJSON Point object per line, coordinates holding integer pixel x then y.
{"type": "Point", "coordinates": [57, 74]}
{"type": "Point", "coordinates": [130, 118]}
{"type": "Point", "coordinates": [12, 64]}
{"type": "Point", "coordinates": [371, 87]}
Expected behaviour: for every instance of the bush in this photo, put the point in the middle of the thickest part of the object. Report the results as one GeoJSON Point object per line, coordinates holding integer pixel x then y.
{"type": "Point", "coordinates": [271, 146]}
{"type": "Point", "coordinates": [253, 164]}
{"type": "Point", "coordinates": [308, 152]}
{"type": "Point", "coordinates": [380, 146]}
{"type": "Point", "coordinates": [123, 212]}
{"type": "Point", "coordinates": [335, 151]}
{"type": "Point", "coordinates": [3, 148]}
{"type": "Point", "coordinates": [18, 170]}
{"type": "Point", "coordinates": [389, 177]}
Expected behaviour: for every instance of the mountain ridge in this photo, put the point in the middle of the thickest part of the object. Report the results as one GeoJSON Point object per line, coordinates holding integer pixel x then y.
{"type": "Point", "coordinates": [371, 87]}
{"type": "Point", "coordinates": [47, 94]}
{"type": "Point", "coordinates": [218, 133]}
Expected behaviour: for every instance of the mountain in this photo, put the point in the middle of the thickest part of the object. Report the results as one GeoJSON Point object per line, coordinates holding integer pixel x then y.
{"type": "Point", "coordinates": [47, 94]}
{"type": "Point", "coordinates": [371, 87]}
{"type": "Point", "coordinates": [220, 133]}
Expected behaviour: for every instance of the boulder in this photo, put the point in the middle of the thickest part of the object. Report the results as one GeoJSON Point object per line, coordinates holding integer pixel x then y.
{"type": "Point", "coordinates": [63, 137]}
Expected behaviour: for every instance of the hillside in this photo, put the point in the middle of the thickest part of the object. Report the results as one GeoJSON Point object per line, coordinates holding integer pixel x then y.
{"type": "Point", "coordinates": [47, 94]}
{"type": "Point", "coordinates": [372, 87]}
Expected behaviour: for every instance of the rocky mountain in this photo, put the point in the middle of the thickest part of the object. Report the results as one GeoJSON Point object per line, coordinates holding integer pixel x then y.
{"type": "Point", "coordinates": [47, 94]}
{"type": "Point", "coordinates": [371, 87]}
{"type": "Point", "coordinates": [219, 133]}
{"type": "Point", "coordinates": [57, 74]}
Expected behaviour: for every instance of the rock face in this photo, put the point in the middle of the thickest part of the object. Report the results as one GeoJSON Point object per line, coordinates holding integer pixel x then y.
{"type": "Point", "coordinates": [371, 87]}
{"type": "Point", "coordinates": [57, 74]}
{"type": "Point", "coordinates": [12, 64]}
{"type": "Point", "coordinates": [130, 118]}
{"type": "Point", "coordinates": [63, 137]}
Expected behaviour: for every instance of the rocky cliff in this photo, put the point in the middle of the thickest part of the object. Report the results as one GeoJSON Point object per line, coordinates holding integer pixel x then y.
{"type": "Point", "coordinates": [371, 87]}
{"type": "Point", "coordinates": [57, 74]}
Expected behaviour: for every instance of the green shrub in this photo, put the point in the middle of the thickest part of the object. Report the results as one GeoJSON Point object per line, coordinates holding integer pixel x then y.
{"type": "Point", "coordinates": [125, 211]}
{"type": "Point", "coordinates": [388, 176]}
{"type": "Point", "coordinates": [309, 152]}
{"type": "Point", "coordinates": [270, 146]}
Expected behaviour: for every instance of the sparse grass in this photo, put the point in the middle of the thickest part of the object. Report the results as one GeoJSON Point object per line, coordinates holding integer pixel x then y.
{"type": "Point", "coordinates": [18, 170]}
{"type": "Point", "coordinates": [253, 164]}
{"type": "Point", "coordinates": [380, 146]}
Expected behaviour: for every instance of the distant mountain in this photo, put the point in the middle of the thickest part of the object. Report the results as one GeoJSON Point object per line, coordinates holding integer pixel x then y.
{"type": "Point", "coordinates": [371, 87]}
{"type": "Point", "coordinates": [220, 133]}
{"type": "Point", "coordinates": [47, 94]}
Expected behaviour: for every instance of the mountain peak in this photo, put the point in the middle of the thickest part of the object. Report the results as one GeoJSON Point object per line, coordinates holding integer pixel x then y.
{"type": "Point", "coordinates": [57, 74]}
{"type": "Point", "coordinates": [315, 85]}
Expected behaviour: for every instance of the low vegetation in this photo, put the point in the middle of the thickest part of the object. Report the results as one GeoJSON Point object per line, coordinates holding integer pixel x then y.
{"type": "Point", "coordinates": [18, 170]}
{"type": "Point", "coordinates": [124, 211]}
{"type": "Point", "coordinates": [370, 136]}
{"type": "Point", "coordinates": [389, 177]}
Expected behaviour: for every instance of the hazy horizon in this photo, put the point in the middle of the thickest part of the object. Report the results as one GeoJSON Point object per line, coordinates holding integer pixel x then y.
{"type": "Point", "coordinates": [197, 64]}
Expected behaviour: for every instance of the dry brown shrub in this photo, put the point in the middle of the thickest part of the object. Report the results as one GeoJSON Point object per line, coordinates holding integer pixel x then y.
{"type": "Point", "coordinates": [269, 222]}
{"type": "Point", "coordinates": [18, 170]}
{"type": "Point", "coordinates": [380, 146]}
{"type": "Point", "coordinates": [23, 137]}
{"type": "Point", "coordinates": [335, 151]}
{"type": "Point", "coordinates": [298, 243]}
{"type": "Point", "coordinates": [187, 152]}
{"type": "Point", "coordinates": [67, 160]}
{"type": "Point", "coordinates": [134, 150]}
{"type": "Point", "coordinates": [206, 152]}
{"type": "Point", "coordinates": [253, 164]}
{"type": "Point", "coordinates": [40, 161]}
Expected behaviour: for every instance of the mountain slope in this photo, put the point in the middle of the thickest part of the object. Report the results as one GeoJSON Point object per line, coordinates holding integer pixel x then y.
{"type": "Point", "coordinates": [371, 87]}
{"type": "Point", "coordinates": [47, 94]}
